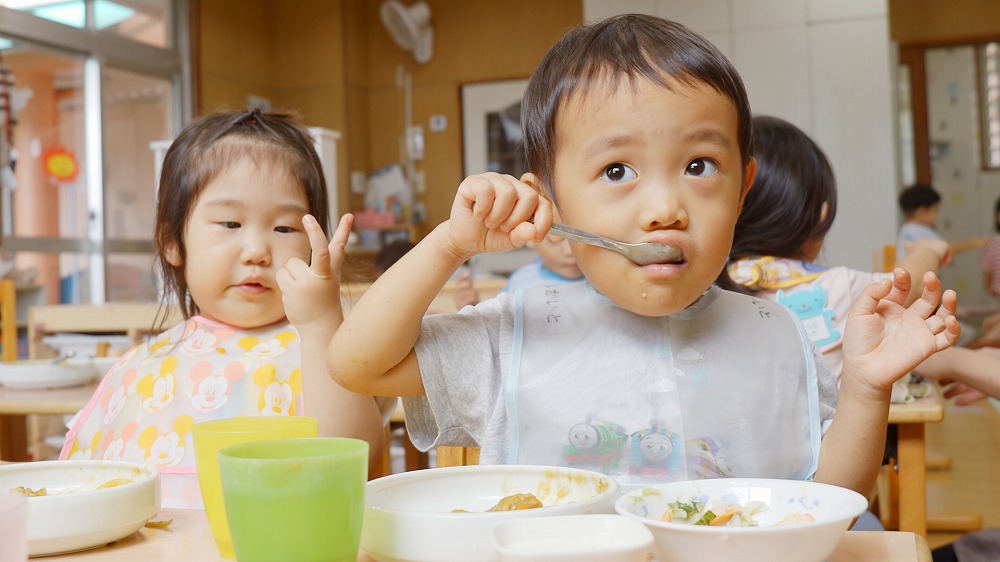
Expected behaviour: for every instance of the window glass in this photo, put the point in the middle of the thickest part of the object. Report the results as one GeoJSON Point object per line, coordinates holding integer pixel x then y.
{"type": "Point", "coordinates": [145, 21]}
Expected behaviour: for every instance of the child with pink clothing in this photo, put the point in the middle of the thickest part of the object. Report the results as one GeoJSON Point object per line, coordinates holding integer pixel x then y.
{"type": "Point", "coordinates": [786, 216]}
{"type": "Point", "coordinates": [241, 241]}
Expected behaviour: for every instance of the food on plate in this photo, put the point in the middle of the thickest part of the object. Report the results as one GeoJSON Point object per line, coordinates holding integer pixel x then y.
{"type": "Point", "coordinates": [513, 502]}
{"type": "Point", "coordinates": [696, 512]}
{"type": "Point", "coordinates": [516, 502]}
{"type": "Point", "coordinates": [29, 492]}
{"type": "Point", "coordinates": [114, 482]}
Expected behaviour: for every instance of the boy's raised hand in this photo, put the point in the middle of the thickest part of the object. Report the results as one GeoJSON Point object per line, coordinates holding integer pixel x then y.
{"type": "Point", "coordinates": [495, 213]}
{"type": "Point", "coordinates": [311, 291]}
{"type": "Point", "coordinates": [884, 340]}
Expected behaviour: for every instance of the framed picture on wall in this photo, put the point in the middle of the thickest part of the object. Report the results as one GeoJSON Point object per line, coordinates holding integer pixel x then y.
{"type": "Point", "coordinates": [491, 127]}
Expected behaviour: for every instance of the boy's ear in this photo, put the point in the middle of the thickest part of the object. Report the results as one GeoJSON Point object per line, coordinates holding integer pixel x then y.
{"type": "Point", "coordinates": [173, 254]}
{"type": "Point", "coordinates": [749, 174]}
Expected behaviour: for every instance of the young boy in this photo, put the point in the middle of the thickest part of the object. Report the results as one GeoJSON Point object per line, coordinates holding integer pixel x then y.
{"type": "Point", "coordinates": [554, 265]}
{"type": "Point", "coordinates": [639, 130]}
{"type": "Point", "coordinates": [920, 204]}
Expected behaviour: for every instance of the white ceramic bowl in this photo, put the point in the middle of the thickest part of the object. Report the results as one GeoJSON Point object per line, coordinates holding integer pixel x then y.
{"type": "Point", "coordinates": [43, 373]}
{"type": "Point", "coordinates": [573, 538]}
{"type": "Point", "coordinates": [408, 516]}
{"type": "Point", "coordinates": [832, 508]}
{"type": "Point", "coordinates": [76, 513]}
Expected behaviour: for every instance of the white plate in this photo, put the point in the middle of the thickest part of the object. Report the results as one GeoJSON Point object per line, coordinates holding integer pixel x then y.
{"type": "Point", "coordinates": [42, 373]}
{"type": "Point", "coordinates": [77, 514]}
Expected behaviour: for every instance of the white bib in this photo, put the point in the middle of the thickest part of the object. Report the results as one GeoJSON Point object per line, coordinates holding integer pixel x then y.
{"type": "Point", "coordinates": [726, 387]}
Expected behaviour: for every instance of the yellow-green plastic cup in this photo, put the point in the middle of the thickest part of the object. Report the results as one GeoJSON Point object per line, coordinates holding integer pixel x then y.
{"type": "Point", "coordinates": [211, 436]}
{"type": "Point", "coordinates": [295, 499]}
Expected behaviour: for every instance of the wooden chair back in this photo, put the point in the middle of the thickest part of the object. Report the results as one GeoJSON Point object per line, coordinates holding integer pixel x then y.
{"type": "Point", "coordinates": [134, 320]}
{"type": "Point", "coordinates": [885, 260]}
{"type": "Point", "coordinates": [8, 319]}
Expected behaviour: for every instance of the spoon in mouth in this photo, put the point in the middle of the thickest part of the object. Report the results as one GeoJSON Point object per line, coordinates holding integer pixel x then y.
{"type": "Point", "coordinates": [642, 253]}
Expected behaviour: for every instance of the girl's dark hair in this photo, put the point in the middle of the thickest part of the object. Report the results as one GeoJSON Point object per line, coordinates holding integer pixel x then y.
{"type": "Point", "coordinates": [209, 146]}
{"type": "Point", "coordinates": [996, 213]}
{"type": "Point", "coordinates": [625, 47]}
{"type": "Point", "coordinates": [784, 208]}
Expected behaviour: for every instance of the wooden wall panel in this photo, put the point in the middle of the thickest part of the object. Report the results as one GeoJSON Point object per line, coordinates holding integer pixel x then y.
{"type": "Point", "coordinates": [335, 63]}
{"type": "Point", "coordinates": [931, 22]}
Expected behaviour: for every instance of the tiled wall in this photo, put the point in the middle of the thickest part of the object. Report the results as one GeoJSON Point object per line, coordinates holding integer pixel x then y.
{"type": "Point", "coordinates": [826, 66]}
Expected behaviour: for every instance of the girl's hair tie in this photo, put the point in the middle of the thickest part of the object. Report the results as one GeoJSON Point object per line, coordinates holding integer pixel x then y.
{"type": "Point", "coordinates": [251, 117]}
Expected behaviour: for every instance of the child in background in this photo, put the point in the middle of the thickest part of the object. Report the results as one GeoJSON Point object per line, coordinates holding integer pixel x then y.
{"type": "Point", "coordinates": [241, 244]}
{"type": "Point", "coordinates": [636, 129]}
{"type": "Point", "coordinates": [990, 260]}
{"type": "Point", "coordinates": [920, 204]}
{"type": "Point", "coordinates": [786, 216]}
{"type": "Point", "coordinates": [555, 264]}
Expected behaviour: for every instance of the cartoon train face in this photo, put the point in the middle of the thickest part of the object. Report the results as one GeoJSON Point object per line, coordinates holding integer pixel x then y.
{"type": "Point", "coordinates": [596, 436]}
{"type": "Point", "coordinates": [655, 447]}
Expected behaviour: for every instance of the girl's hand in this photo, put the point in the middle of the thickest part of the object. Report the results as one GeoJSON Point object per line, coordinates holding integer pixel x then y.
{"type": "Point", "coordinates": [496, 213]}
{"type": "Point", "coordinates": [312, 292]}
{"type": "Point", "coordinates": [884, 340]}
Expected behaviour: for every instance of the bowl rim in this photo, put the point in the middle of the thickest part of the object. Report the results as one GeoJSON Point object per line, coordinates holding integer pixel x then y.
{"type": "Point", "coordinates": [745, 482]}
{"type": "Point", "coordinates": [147, 474]}
{"type": "Point", "coordinates": [384, 482]}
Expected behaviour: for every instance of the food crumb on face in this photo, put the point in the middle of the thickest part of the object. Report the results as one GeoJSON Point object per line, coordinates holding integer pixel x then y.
{"type": "Point", "coordinates": [644, 295]}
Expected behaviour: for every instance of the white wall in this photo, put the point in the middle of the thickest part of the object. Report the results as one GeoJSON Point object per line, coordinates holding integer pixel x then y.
{"type": "Point", "coordinates": [827, 67]}
{"type": "Point", "coordinates": [968, 194]}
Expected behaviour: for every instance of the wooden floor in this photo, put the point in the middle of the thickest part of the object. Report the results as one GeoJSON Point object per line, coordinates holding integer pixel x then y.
{"type": "Point", "coordinates": [970, 435]}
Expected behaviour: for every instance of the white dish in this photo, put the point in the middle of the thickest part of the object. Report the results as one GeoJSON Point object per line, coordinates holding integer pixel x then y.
{"type": "Point", "coordinates": [573, 538]}
{"type": "Point", "coordinates": [780, 528]}
{"type": "Point", "coordinates": [42, 373]}
{"type": "Point", "coordinates": [409, 518]}
{"type": "Point", "coordinates": [76, 514]}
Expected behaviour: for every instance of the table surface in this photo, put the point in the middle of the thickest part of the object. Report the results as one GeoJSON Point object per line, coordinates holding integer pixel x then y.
{"type": "Point", "coordinates": [45, 401]}
{"type": "Point", "coordinates": [188, 538]}
{"type": "Point", "coordinates": [927, 408]}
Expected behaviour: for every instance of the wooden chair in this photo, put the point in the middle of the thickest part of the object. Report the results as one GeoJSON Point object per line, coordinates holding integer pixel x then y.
{"type": "Point", "coordinates": [134, 320]}
{"type": "Point", "coordinates": [885, 260]}
{"type": "Point", "coordinates": [8, 319]}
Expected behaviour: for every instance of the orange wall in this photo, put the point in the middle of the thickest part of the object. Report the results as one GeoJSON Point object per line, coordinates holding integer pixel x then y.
{"type": "Point", "coordinates": [336, 65]}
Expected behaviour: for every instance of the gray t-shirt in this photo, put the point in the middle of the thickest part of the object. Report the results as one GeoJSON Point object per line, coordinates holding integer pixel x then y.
{"type": "Point", "coordinates": [466, 360]}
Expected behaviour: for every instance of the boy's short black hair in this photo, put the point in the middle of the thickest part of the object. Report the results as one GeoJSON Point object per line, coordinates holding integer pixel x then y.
{"type": "Point", "coordinates": [624, 47]}
{"type": "Point", "coordinates": [918, 196]}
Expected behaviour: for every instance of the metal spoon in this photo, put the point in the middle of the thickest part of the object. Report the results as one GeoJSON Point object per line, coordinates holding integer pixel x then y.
{"type": "Point", "coordinates": [643, 253]}
{"type": "Point", "coordinates": [64, 356]}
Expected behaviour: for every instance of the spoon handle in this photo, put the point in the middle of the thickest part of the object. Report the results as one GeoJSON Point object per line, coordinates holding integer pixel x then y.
{"type": "Point", "coordinates": [585, 237]}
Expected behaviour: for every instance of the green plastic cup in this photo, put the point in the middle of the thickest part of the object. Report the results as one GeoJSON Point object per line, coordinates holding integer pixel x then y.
{"type": "Point", "coordinates": [295, 499]}
{"type": "Point", "coordinates": [212, 436]}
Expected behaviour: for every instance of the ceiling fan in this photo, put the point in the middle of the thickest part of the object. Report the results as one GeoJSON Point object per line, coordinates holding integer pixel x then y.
{"type": "Point", "coordinates": [410, 27]}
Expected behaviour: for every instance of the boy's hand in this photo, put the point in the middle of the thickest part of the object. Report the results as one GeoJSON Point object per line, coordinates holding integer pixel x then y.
{"type": "Point", "coordinates": [884, 340]}
{"type": "Point", "coordinates": [312, 292]}
{"type": "Point", "coordinates": [496, 213]}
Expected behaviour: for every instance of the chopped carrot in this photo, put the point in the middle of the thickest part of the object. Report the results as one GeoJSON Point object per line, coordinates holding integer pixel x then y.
{"type": "Point", "coordinates": [722, 519]}
{"type": "Point", "coordinates": [666, 516]}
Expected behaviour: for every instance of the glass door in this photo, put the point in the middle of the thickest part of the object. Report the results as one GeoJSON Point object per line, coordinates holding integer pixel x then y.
{"type": "Point", "coordinates": [76, 168]}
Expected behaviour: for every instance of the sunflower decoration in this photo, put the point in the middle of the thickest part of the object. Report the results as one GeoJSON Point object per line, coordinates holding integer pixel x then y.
{"type": "Point", "coordinates": [60, 164]}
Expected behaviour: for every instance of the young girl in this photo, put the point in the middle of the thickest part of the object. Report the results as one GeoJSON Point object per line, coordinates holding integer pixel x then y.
{"type": "Point", "coordinates": [239, 231]}
{"type": "Point", "coordinates": [639, 130]}
{"type": "Point", "coordinates": [785, 218]}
